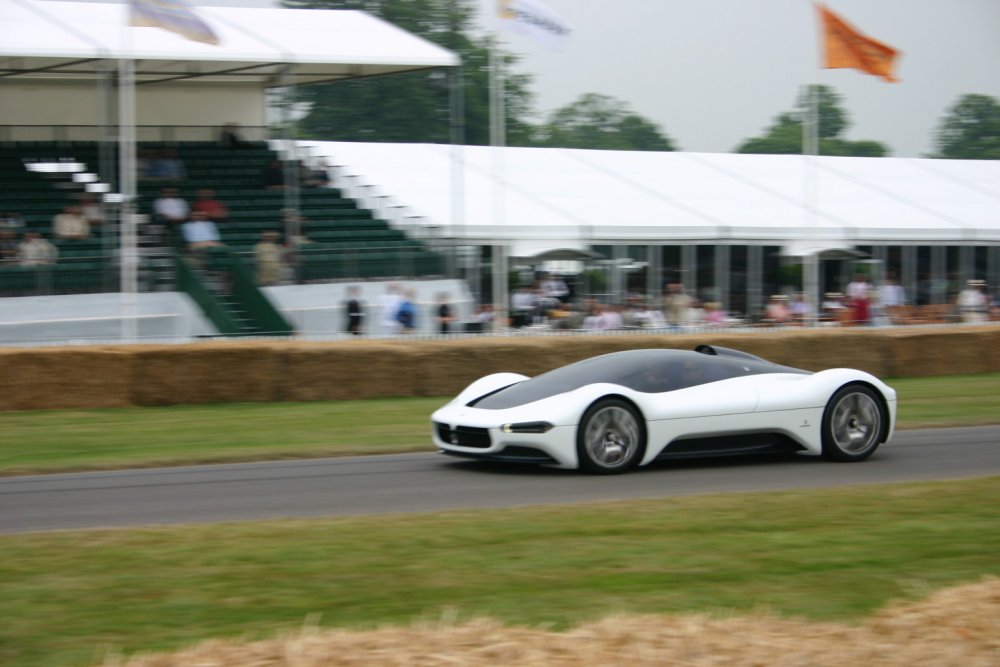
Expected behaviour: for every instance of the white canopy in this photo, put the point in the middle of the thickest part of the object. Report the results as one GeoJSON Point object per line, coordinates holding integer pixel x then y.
{"type": "Point", "coordinates": [59, 41]}
{"type": "Point", "coordinates": [550, 198]}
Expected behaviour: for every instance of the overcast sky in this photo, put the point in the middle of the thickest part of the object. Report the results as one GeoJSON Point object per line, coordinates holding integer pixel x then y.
{"type": "Point", "coordinates": [712, 73]}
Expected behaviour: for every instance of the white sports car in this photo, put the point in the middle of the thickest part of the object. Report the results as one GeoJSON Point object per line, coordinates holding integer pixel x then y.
{"type": "Point", "coordinates": [611, 413]}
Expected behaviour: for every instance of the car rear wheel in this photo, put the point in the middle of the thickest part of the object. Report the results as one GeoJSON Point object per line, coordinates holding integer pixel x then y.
{"type": "Point", "coordinates": [611, 437]}
{"type": "Point", "coordinates": [853, 424]}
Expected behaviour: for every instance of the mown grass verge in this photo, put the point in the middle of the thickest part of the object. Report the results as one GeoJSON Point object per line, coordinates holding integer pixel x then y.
{"type": "Point", "coordinates": [830, 554]}
{"type": "Point", "coordinates": [61, 440]}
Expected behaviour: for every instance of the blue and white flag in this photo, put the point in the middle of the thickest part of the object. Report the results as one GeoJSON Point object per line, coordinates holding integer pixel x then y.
{"type": "Point", "coordinates": [173, 15]}
{"type": "Point", "coordinates": [533, 19]}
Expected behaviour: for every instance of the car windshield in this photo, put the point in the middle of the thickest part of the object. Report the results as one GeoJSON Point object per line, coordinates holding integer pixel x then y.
{"type": "Point", "coordinates": [649, 371]}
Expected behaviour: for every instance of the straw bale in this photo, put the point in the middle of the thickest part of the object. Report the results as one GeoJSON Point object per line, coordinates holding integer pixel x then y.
{"type": "Point", "coordinates": [958, 626]}
{"type": "Point", "coordinates": [65, 377]}
{"type": "Point", "coordinates": [349, 370]}
{"type": "Point", "coordinates": [214, 372]}
{"type": "Point", "coordinates": [929, 352]}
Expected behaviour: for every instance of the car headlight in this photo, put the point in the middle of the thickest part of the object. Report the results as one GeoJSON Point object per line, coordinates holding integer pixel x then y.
{"type": "Point", "coordinates": [526, 427]}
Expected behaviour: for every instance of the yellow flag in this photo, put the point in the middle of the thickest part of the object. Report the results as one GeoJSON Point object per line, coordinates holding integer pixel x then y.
{"type": "Point", "coordinates": [845, 47]}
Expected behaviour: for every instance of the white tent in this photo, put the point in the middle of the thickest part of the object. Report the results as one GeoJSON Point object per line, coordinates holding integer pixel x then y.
{"type": "Point", "coordinates": [52, 52]}
{"type": "Point", "coordinates": [573, 198]}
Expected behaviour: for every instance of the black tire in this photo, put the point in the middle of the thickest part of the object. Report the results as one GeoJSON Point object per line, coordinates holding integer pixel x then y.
{"type": "Point", "coordinates": [853, 424]}
{"type": "Point", "coordinates": [611, 437]}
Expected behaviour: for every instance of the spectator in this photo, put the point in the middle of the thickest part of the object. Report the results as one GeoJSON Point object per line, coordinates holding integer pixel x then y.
{"type": "Point", "coordinates": [199, 232]}
{"type": "Point", "coordinates": [268, 255]}
{"type": "Point", "coordinates": [166, 166]}
{"type": "Point", "coordinates": [610, 318]}
{"type": "Point", "coordinates": [91, 209]}
{"type": "Point", "coordinates": [554, 288]}
{"type": "Point", "coordinates": [973, 304]}
{"type": "Point", "coordinates": [407, 313]}
{"type": "Point", "coordinates": [523, 304]}
{"type": "Point", "coordinates": [714, 314]}
{"type": "Point", "coordinates": [389, 308]}
{"type": "Point", "coordinates": [859, 298]}
{"type": "Point", "coordinates": [592, 322]}
{"type": "Point", "coordinates": [776, 311]}
{"type": "Point", "coordinates": [318, 176]}
{"type": "Point", "coordinates": [799, 308]}
{"type": "Point", "coordinates": [213, 209]}
{"type": "Point", "coordinates": [229, 136]}
{"type": "Point", "coordinates": [444, 316]}
{"type": "Point", "coordinates": [274, 175]}
{"type": "Point", "coordinates": [70, 225]}
{"type": "Point", "coordinates": [36, 251]}
{"type": "Point", "coordinates": [676, 304]}
{"type": "Point", "coordinates": [355, 311]}
{"type": "Point", "coordinates": [482, 320]}
{"type": "Point", "coordinates": [11, 220]}
{"type": "Point", "coordinates": [891, 293]}
{"type": "Point", "coordinates": [169, 208]}
{"type": "Point", "coordinates": [8, 246]}
{"type": "Point", "coordinates": [833, 305]}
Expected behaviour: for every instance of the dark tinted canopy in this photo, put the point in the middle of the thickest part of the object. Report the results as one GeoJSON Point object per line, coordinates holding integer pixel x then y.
{"type": "Point", "coordinates": [649, 371]}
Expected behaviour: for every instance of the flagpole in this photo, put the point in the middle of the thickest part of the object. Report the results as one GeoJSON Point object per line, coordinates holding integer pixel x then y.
{"type": "Point", "coordinates": [810, 181]}
{"type": "Point", "coordinates": [498, 140]}
{"type": "Point", "coordinates": [127, 254]}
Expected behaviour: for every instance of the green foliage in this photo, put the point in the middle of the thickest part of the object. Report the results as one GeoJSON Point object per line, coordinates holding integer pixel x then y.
{"type": "Point", "coordinates": [415, 106]}
{"type": "Point", "coordinates": [785, 135]}
{"type": "Point", "coordinates": [601, 121]}
{"type": "Point", "coordinates": [971, 129]}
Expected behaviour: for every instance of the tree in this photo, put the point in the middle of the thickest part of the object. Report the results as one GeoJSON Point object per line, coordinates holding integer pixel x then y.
{"type": "Point", "coordinates": [415, 106]}
{"type": "Point", "coordinates": [785, 135]}
{"type": "Point", "coordinates": [971, 129]}
{"type": "Point", "coordinates": [600, 121]}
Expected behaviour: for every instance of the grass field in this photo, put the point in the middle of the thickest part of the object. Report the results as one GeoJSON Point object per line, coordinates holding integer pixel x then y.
{"type": "Point", "coordinates": [830, 554]}
{"type": "Point", "coordinates": [50, 441]}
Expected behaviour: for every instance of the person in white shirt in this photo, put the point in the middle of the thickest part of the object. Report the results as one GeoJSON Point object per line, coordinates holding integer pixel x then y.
{"type": "Point", "coordinates": [389, 304]}
{"type": "Point", "coordinates": [70, 224]}
{"type": "Point", "coordinates": [973, 304]}
{"type": "Point", "coordinates": [170, 208]}
{"type": "Point", "coordinates": [36, 251]}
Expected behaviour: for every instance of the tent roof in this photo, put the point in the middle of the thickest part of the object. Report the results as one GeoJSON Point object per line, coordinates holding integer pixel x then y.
{"type": "Point", "coordinates": [50, 40]}
{"type": "Point", "coordinates": [587, 196]}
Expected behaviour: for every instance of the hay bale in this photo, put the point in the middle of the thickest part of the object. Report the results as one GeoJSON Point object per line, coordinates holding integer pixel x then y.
{"type": "Point", "coordinates": [65, 377]}
{"type": "Point", "coordinates": [953, 351]}
{"type": "Point", "coordinates": [348, 370]}
{"type": "Point", "coordinates": [214, 372]}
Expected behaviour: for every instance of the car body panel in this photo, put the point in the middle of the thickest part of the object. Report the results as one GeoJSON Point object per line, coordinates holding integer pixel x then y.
{"type": "Point", "coordinates": [789, 405]}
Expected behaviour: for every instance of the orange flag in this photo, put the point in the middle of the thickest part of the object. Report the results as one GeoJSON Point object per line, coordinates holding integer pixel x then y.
{"type": "Point", "coordinates": [845, 47]}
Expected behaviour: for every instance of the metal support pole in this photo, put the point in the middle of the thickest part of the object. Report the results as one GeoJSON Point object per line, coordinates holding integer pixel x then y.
{"type": "Point", "coordinates": [939, 279]}
{"type": "Point", "coordinates": [689, 268]}
{"type": "Point", "coordinates": [291, 200]}
{"type": "Point", "coordinates": [722, 273]}
{"type": "Point", "coordinates": [755, 279]}
{"type": "Point", "coordinates": [456, 111]}
{"type": "Point", "coordinates": [498, 139]}
{"type": "Point", "coordinates": [128, 252]}
{"type": "Point", "coordinates": [654, 272]}
{"type": "Point", "coordinates": [908, 272]}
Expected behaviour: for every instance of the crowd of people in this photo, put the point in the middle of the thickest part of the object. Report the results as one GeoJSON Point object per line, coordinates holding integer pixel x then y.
{"type": "Point", "coordinates": [79, 220]}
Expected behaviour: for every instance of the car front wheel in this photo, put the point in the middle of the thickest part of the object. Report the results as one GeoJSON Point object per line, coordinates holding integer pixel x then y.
{"type": "Point", "coordinates": [611, 437]}
{"type": "Point", "coordinates": [853, 424]}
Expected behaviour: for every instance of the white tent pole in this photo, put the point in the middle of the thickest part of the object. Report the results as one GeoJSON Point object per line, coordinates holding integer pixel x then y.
{"type": "Point", "coordinates": [498, 140]}
{"type": "Point", "coordinates": [810, 181]}
{"type": "Point", "coordinates": [128, 252]}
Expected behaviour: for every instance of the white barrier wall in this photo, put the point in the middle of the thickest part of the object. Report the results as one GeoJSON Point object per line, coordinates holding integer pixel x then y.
{"type": "Point", "coordinates": [316, 311]}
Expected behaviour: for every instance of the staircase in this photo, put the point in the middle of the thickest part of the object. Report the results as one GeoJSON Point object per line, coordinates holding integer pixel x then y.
{"type": "Point", "coordinates": [226, 293]}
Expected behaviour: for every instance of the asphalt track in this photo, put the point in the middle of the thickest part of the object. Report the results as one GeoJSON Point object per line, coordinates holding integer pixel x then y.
{"type": "Point", "coordinates": [432, 482]}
